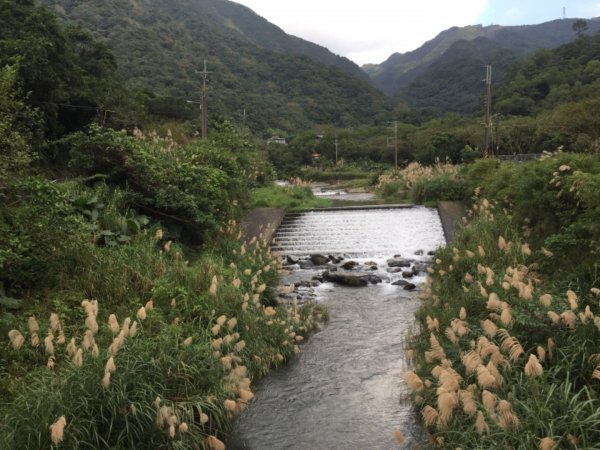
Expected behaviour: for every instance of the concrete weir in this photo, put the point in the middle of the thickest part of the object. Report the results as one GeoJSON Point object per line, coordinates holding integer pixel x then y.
{"type": "Point", "coordinates": [263, 221]}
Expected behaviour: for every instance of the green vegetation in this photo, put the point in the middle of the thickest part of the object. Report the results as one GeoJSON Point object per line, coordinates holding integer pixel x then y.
{"type": "Point", "coordinates": [508, 353]}
{"type": "Point", "coordinates": [137, 317]}
{"type": "Point", "coordinates": [283, 82]}
{"type": "Point", "coordinates": [291, 198]}
{"type": "Point", "coordinates": [133, 314]}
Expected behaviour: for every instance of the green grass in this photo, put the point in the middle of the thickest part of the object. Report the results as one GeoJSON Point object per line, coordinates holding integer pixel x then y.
{"type": "Point", "coordinates": [291, 198]}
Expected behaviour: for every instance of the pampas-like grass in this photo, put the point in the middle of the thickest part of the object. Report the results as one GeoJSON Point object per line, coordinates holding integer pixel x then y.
{"type": "Point", "coordinates": [489, 328]}
{"type": "Point", "coordinates": [449, 380]}
{"type": "Point", "coordinates": [533, 368]}
{"type": "Point", "coordinates": [494, 303]}
{"type": "Point", "coordinates": [485, 379]}
{"type": "Point", "coordinates": [547, 444]}
{"type": "Point", "coordinates": [481, 425]}
{"type": "Point", "coordinates": [230, 405]}
{"type": "Point", "coordinates": [507, 419]}
{"type": "Point", "coordinates": [459, 327]}
{"type": "Point", "coordinates": [501, 243]}
{"type": "Point", "coordinates": [569, 318]}
{"type": "Point", "coordinates": [451, 335]}
{"type": "Point", "coordinates": [78, 358]}
{"type": "Point", "coordinates": [489, 401]}
{"type": "Point", "coordinates": [430, 415]}
{"type": "Point", "coordinates": [106, 380]}
{"type": "Point", "coordinates": [141, 313]}
{"type": "Point", "coordinates": [555, 318]}
{"type": "Point", "coordinates": [506, 316]}
{"type": "Point", "coordinates": [214, 443]}
{"type": "Point", "coordinates": [413, 381]}
{"type": "Point", "coordinates": [447, 402]}
{"type": "Point", "coordinates": [57, 430]}
{"type": "Point", "coordinates": [54, 322]}
{"type": "Point", "coordinates": [468, 401]}
{"type": "Point", "coordinates": [572, 300]}
{"type": "Point", "coordinates": [511, 345]}
{"type": "Point", "coordinates": [546, 300]}
{"type": "Point", "coordinates": [471, 360]}
{"type": "Point", "coordinates": [541, 353]}
{"type": "Point", "coordinates": [16, 339]}
{"type": "Point", "coordinates": [113, 324]}
{"type": "Point", "coordinates": [493, 370]}
{"type": "Point", "coordinates": [432, 324]}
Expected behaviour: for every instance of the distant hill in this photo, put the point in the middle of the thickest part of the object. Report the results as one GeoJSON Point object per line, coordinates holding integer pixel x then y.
{"type": "Point", "coordinates": [282, 81]}
{"type": "Point", "coordinates": [454, 81]}
{"type": "Point", "coordinates": [402, 69]}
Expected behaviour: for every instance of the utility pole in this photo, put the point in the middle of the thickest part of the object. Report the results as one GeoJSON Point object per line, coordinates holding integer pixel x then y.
{"type": "Point", "coordinates": [336, 151]}
{"type": "Point", "coordinates": [203, 108]}
{"type": "Point", "coordinates": [396, 144]}
{"type": "Point", "coordinates": [488, 110]}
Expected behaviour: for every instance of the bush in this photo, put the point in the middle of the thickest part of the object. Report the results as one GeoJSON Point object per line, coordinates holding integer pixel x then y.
{"type": "Point", "coordinates": [193, 187]}
{"type": "Point", "coordinates": [436, 188]}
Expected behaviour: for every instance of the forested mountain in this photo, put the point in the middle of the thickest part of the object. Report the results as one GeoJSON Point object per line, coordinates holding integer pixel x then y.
{"type": "Point", "coordinates": [400, 70]}
{"type": "Point", "coordinates": [281, 81]}
{"type": "Point", "coordinates": [454, 81]}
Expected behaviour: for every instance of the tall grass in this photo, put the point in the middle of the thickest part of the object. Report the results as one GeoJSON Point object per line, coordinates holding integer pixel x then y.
{"type": "Point", "coordinates": [165, 358]}
{"type": "Point", "coordinates": [507, 354]}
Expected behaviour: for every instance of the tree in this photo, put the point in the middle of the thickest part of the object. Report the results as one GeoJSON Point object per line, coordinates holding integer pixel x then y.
{"type": "Point", "coordinates": [580, 26]}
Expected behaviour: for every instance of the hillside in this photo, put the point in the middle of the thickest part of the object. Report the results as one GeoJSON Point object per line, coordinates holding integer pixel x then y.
{"type": "Point", "coordinates": [454, 81]}
{"type": "Point", "coordinates": [282, 82]}
{"type": "Point", "coordinates": [401, 69]}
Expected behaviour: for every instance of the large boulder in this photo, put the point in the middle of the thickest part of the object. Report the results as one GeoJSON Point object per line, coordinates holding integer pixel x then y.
{"type": "Point", "coordinates": [398, 262]}
{"type": "Point", "coordinates": [291, 260]}
{"type": "Point", "coordinates": [349, 265]}
{"type": "Point", "coordinates": [351, 279]}
{"type": "Point", "coordinates": [319, 260]}
{"type": "Point", "coordinates": [347, 279]}
{"type": "Point", "coordinates": [306, 264]}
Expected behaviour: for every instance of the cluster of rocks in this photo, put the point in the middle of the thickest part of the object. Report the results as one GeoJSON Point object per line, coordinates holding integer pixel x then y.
{"type": "Point", "coordinates": [352, 273]}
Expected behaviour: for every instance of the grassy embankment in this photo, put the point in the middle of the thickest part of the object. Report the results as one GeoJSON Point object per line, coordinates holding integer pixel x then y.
{"type": "Point", "coordinates": [132, 314]}
{"type": "Point", "coordinates": [508, 355]}
{"type": "Point", "coordinates": [291, 198]}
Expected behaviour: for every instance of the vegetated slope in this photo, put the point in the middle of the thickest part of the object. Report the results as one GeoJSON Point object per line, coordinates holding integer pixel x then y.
{"type": "Point", "coordinates": [281, 81]}
{"type": "Point", "coordinates": [455, 82]}
{"type": "Point", "coordinates": [401, 69]}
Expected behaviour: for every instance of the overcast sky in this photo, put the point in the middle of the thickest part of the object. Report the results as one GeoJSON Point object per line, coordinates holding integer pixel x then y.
{"type": "Point", "coordinates": [369, 31]}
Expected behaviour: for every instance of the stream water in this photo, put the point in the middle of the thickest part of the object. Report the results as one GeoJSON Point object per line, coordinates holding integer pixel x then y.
{"type": "Point", "coordinates": [345, 390]}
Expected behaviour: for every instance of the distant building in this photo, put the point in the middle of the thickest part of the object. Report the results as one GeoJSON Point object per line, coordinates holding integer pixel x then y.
{"type": "Point", "coordinates": [276, 140]}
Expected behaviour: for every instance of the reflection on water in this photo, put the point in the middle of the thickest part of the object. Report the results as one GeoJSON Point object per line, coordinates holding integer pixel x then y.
{"type": "Point", "coordinates": [345, 390]}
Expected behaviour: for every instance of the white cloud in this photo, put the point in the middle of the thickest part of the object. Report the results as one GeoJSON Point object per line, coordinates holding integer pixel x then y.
{"type": "Point", "coordinates": [367, 31]}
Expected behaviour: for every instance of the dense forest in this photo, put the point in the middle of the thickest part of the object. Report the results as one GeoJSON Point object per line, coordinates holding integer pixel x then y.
{"type": "Point", "coordinates": [280, 81]}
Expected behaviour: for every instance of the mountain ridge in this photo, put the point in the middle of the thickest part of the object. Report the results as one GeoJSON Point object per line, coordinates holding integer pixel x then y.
{"type": "Point", "coordinates": [401, 69]}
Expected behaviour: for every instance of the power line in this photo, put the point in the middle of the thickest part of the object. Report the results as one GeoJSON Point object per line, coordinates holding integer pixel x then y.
{"type": "Point", "coordinates": [92, 108]}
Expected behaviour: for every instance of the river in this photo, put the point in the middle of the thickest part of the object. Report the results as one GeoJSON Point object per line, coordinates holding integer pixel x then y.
{"type": "Point", "coordinates": [345, 390]}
